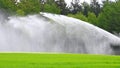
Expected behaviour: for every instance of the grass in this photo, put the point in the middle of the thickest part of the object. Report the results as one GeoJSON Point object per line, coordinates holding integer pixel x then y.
{"type": "Point", "coordinates": [36, 60]}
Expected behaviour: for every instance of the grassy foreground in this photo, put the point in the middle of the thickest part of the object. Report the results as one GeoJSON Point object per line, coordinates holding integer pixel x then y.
{"type": "Point", "coordinates": [35, 60]}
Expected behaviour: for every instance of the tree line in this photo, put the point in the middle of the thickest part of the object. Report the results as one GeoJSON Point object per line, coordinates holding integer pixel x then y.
{"type": "Point", "coordinates": [106, 16]}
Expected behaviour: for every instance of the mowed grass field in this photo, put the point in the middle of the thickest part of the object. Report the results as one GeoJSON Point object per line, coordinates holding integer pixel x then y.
{"type": "Point", "coordinates": [38, 60]}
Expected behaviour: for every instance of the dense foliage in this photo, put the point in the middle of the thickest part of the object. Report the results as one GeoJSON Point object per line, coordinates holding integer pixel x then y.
{"type": "Point", "coordinates": [106, 16]}
{"type": "Point", "coordinates": [25, 7]}
{"type": "Point", "coordinates": [79, 16]}
{"type": "Point", "coordinates": [109, 18]}
{"type": "Point", "coordinates": [51, 8]}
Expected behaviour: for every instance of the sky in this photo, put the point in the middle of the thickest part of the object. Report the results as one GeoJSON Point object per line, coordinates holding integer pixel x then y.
{"type": "Point", "coordinates": [100, 1]}
{"type": "Point", "coordinates": [68, 1]}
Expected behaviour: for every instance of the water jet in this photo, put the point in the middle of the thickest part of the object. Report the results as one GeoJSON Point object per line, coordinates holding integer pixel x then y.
{"type": "Point", "coordinates": [47, 32]}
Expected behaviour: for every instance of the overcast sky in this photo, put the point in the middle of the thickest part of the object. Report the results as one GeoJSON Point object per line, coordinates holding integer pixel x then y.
{"type": "Point", "coordinates": [100, 1]}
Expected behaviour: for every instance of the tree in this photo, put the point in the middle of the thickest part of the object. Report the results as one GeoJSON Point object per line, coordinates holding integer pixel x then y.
{"type": "Point", "coordinates": [51, 8]}
{"type": "Point", "coordinates": [25, 6]}
{"type": "Point", "coordinates": [8, 5]}
{"type": "Point", "coordinates": [86, 8]}
{"type": "Point", "coordinates": [79, 16]}
{"type": "Point", "coordinates": [29, 6]}
{"type": "Point", "coordinates": [109, 19]}
{"type": "Point", "coordinates": [92, 18]}
{"type": "Point", "coordinates": [62, 5]}
{"type": "Point", "coordinates": [76, 6]}
{"type": "Point", "coordinates": [95, 7]}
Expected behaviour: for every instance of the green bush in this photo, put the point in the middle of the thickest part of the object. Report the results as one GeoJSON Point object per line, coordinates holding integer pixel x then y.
{"type": "Point", "coordinates": [52, 8]}
{"type": "Point", "coordinates": [20, 12]}
{"type": "Point", "coordinates": [78, 16]}
{"type": "Point", "coordinates": [92, 18]}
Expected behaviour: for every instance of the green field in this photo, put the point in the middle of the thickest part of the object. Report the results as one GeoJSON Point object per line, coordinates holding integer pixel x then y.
{"type": "Point", "coordinates": [36, 60]}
